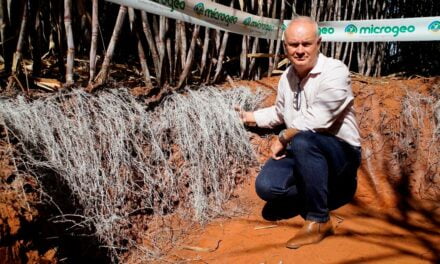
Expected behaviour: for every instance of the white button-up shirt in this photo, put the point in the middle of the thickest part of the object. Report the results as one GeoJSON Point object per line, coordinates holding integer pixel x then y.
{"type": "Point", "coordinates": [321, 102]}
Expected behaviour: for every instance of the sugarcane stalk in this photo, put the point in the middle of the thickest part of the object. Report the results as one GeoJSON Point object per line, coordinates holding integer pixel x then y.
{"type": "Point", "coordinates": [141, 53]}
{"type": "Point", "coordinates": [156, 29]}
{"type": "Point", "coordinates": [206, 41]}
{"type": "Point", "coordinates": [243, 56]}
{"type": "Point", "coordinates": [56, 20]}
{"type": "Point", "coordinates": [190, 57]}
{"type": "Point", "coordinates": [161, 47]}
{"type": "Point", "coordinates": [35, 38]}
{"type": "Point", "coordinates": [256, 40]}
{"type": "Point", "coordinates": [183, 44]}
{"type": "Point", "coordinates": [211, 62]}
{"type": "Point", "coordinates": [94, 41]}
{"type": "Point", "coordinates": [252, 60]}
{"type": "Point", "coordinates": [169, 52]}
{"type": "Point", "coordinates": [4, 28]}
{"type": "Point", "coordinates": [279, 41]}
{"type": "Point", "coordinates": [10, 24]}
{"type": "Point", "coordinates": [221, 56]}
{"type": "Point", "coordinates": [178, 49]}
{"type": "Point", "coordinates": [3, 24]}
{"type": "Point", "coordinates": [244, 48]}
{"type": "Point", "coordinates": [17, 54]}
{"type": "Point", "coordinates": [143, 61]}
{"type": "Point", "coordinates": [272, 42]}
{"type": "Point", "coordinates": [101, 78]}
{"type": "Point", "coordinates": [151, 43]}
{"type": "Point", "coordinates": [70, 43]}
{"type": "Point", "coordinates": [217, 38]}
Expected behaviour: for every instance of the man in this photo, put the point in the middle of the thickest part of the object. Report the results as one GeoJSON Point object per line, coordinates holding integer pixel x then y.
{"type": "Point", "coordinates": [315, 159]}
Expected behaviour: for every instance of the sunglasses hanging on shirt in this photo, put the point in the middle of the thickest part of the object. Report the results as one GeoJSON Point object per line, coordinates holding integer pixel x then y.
{"type": "Point", "coordinates": [297, 103]}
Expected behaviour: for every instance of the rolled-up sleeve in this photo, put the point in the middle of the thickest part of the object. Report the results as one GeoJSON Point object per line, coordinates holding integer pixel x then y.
{"type": "Point", "coordinates": [333, 96]}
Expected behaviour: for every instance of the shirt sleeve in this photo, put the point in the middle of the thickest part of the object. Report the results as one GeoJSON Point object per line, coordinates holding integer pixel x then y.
{"type": "Point", "coordinates": [333, 96]}
{"type": "Point", "coordinates": [272, 116]}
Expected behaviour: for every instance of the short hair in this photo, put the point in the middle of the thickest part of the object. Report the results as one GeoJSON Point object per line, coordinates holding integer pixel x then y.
{"type": "Point", "coordinates": [306, 19]}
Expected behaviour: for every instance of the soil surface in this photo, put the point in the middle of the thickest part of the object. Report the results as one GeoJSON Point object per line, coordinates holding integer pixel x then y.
{"type": "Point", "coordinates": [361, 236]}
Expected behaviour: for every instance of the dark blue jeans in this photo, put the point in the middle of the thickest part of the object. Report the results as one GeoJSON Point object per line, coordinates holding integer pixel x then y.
{"type": "Point", "coordinates": [319, 172]}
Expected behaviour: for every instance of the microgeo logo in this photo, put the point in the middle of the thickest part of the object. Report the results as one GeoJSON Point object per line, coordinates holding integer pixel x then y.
{"type": "Point", "coordinates": [258, 24]}
{"type": "Point", "coordinates": [351, 29]}
{"type": "Point", "coordinates": [434, 26]}
{"type": "Point", "coordinates": [173, 4]}
{"type": "Point", "coordinates": [326, 30]}
{"type": "Point", "coordinates": [200, 10]}
{"type": "Point", "coordinates": [395, 30]}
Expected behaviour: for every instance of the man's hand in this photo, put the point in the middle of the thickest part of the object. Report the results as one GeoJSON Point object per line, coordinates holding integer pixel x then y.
{"type": "Point", "coordinates": [247, 118]}
{"type": "Point", "coordinates": [277, 149]}
{"type": "Point", "coordinates": [280, 144]}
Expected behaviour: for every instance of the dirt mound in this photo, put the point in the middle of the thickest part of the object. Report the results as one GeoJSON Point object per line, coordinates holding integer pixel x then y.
{"type": "Point", "coordinates": [400, 145]}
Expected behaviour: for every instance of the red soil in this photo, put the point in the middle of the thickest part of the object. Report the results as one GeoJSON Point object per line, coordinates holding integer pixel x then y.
{"type": "Point", "coordinates": [17, 211]}
{"type": "Point", "coordinates": [361, 236]}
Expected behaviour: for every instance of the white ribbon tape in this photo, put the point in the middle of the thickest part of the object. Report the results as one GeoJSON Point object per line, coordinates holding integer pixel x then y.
{"type": "Point", "coordinates": [210, 14]}
{"type": "Point", "coordinates": [403, 29]}
{"type": "Point", "coordinates": [213, 15]}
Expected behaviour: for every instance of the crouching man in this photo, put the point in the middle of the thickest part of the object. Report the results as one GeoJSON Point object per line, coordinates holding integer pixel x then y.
{"type": "Point", "coordinates": [315, 159]}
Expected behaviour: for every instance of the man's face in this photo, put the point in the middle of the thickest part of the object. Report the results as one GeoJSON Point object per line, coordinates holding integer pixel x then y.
{"type": "Point", "coordinates": [302, 44]}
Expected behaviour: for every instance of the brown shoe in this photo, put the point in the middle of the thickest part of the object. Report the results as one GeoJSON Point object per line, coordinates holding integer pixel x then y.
{"type": "Point", "coordinates": [310, 233]}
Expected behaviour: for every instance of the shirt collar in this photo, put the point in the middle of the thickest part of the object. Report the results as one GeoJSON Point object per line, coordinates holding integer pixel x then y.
{"type": "Point", "coordinates": [319, 65]}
